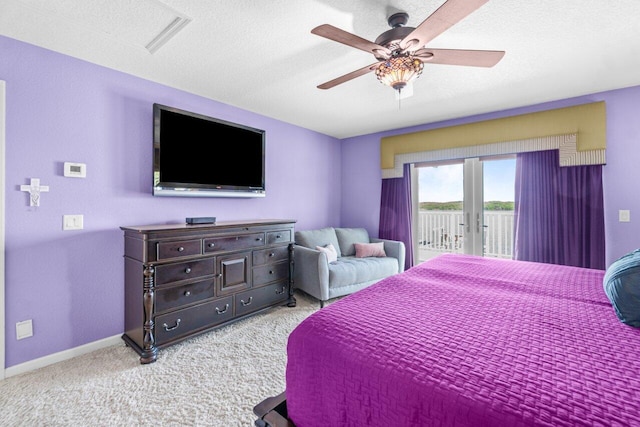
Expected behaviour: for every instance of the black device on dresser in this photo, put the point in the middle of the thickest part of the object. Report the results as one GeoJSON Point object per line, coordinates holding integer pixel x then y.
{"type": "Point", "coordinates": [183, 279]}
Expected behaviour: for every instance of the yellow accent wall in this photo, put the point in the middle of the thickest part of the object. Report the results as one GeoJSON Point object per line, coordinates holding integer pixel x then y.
{"type": "Point", "coordinates": [588, 121]}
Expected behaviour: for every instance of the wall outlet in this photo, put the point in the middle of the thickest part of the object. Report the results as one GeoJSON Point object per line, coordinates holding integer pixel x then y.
{"type": "Point", "coordinates": [24, 329]}
{"type": "Point", "coordinates": [72, 222]}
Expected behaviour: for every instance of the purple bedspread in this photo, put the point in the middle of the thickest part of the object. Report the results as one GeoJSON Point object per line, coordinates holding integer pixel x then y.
{"type": "Point", "coordinates": [468, 341]}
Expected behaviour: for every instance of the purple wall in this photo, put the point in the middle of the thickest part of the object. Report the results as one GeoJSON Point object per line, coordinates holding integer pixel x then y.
{"type": "Point", "coordinates": [361, 167]}
{"type": "Point", "coordinates": [63, 109]}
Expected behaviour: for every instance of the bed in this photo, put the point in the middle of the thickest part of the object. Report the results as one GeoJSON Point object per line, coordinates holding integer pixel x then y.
{"type": "Point", "coordinates": [464, 341]}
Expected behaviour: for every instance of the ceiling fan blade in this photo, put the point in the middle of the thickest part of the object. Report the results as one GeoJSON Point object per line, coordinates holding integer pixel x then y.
{"type": "Point", "coordinates": [472, 58]}
{"type": "Point", "coordinates": [451, 12]}
{"type": "Point", "coordinates": [336, 34]}
{"type": "Point", "coordinates": [349, 76]}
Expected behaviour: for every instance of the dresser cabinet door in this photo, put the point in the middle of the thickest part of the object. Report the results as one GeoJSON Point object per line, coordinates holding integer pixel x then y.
{"type": "Point", "coordinates": [235, 272]}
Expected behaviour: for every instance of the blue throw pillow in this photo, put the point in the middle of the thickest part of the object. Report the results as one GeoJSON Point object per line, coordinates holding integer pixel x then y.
{"type": "Point", "coordinates": [622, 286]}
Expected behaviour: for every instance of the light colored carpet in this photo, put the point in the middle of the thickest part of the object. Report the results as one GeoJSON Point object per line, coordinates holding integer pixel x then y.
{"type": "Point", "coordinates": [211, 380]}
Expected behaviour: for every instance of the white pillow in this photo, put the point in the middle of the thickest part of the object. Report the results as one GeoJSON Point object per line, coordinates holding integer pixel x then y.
{"type": "Point", "coordinates": [330, 251]}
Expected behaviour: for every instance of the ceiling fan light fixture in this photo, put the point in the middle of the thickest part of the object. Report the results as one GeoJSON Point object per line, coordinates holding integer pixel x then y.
{"type": "Point", "coordinates": [399, 70]}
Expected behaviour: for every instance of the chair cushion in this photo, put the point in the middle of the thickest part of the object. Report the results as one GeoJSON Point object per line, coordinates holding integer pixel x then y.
{"type": "Point", "coordinates": [322, 237]}
{"type": "Point", "coordinates": [348, 236]}
{"type": "Point", "coordinates": [351, 270]}
{"type": "Point", "coordinates": [622, 286]}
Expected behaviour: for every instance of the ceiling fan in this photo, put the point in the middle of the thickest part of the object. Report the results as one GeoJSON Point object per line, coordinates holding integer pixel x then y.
{"type": "Point", "coordinates": [401, 52]}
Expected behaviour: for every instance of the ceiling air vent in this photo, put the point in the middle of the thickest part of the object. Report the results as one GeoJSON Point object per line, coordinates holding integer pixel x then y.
{"type": "Point", "coordinates": [165, 35]}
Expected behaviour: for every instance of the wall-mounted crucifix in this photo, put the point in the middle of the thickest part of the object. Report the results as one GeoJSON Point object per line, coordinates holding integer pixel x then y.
{"type": "Point", "coordinates": [34, 189]}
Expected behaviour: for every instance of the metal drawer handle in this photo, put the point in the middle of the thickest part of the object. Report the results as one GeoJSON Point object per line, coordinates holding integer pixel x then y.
{"type": "Point", "coordinates": [187, 270]}
{"type": "Point", "coordinates": [278, 236]}
{"type": "Point", "coordinates": [187, 293]}
{"type": "Point", "coordinates": [219, 275]}
{"type": "Point", "coordinates": [259, 239]}
{"type": "Point", "coordinates": [224, 310]}
{"type": "Point", "coordinates": [180, 249]}
{"type": "Point", "coordinates": [246, 303]}
{"type": "Point", "coordinates": [270, 271]}
{"type": "Point", "coordinates": [272, 254]}
{"type": "Point", "coordinates": [211, 245]}
{"type": "Point", "coordinates": [282, 291]}
{"type": "Point", "coordinates": [167, 328]}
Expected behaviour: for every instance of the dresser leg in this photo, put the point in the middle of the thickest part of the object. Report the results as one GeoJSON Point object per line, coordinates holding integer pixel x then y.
{"type": "Point", "coordinates": [292, 300]}
{"type": "Point", "coordinates": [149, 356]}
{"type": "Point", "coordinates": [149, 352]}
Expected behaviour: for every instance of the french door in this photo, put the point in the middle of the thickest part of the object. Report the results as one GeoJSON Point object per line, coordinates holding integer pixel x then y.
{"type": "Point", "coordinates": [473, 207]}
{"type": "Point", "coordinates": [464, 206]}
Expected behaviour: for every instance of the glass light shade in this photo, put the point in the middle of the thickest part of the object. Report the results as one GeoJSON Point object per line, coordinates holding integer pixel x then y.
{"type": "Point", "coordinates": [397, 71]}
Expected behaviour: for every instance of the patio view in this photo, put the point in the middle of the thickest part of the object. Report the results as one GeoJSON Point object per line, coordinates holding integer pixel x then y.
{"type": "Point", "coordinates": [442, 231]}
{"type": "Point", "coordinates": [440, 221]}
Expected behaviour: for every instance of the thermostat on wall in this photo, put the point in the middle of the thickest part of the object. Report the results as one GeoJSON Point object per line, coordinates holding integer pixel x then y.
{"type": "Point", "coordinates": [75, 170]}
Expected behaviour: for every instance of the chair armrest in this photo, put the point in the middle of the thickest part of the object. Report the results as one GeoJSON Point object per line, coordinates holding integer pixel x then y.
{"type": "Point", "coordinates": [394, 249]}
{"type": "Point", "coordinates": [311, 272]}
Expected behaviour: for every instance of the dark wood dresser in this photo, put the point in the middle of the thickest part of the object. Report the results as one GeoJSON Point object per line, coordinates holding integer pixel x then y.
{"type": "Point", "coordinates": [182, 280]}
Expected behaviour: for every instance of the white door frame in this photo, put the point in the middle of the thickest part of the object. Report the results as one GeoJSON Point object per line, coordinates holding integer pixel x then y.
{"type": "Point", "coordinates": [473, 207]}
{"type": "Point", "coordinates": [2, 215]}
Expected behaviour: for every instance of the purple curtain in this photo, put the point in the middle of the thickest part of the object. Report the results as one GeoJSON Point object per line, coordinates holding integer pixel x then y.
{"type": "Point", "coordinates": [395, 212]}
{"type": "Point", "coordinates": [559, 212]}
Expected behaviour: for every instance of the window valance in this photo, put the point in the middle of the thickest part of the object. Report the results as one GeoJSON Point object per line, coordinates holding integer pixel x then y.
{"type": "Point", "coordinates": [579, 132]}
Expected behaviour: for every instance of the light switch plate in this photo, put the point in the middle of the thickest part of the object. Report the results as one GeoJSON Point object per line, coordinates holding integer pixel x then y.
{"type": "Point", "coordinates": [624, 215]}
{"type": "Point", "coordinates": [72, 222]}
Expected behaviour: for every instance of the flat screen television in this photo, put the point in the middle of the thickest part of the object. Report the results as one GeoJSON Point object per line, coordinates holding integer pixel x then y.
{"type": "Point", "coordinates": [200, 156]}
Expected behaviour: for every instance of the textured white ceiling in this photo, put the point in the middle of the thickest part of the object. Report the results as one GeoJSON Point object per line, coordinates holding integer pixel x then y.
{"type": "Point", "coordinates": [261, 56]}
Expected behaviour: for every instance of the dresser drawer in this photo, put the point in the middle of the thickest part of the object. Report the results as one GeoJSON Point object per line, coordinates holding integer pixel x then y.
{"type": "Point", "coordinates": [231, 243]}
{"type": "Point", "coordinates": [177, 296]}
{"type": "Point", "coordinates": [258, 298]}
{"type": "Point", "coordinates": [184, 322]}
{"type": "Point", "coordinates": [282, 236]}
{"type": "Point", "coordinates": [178, 249]}
{"type": "Point", "coordinates": [270, 273]}
{"type": "Point", "coordinates": [268, 256]}
{"type": "Point", "coordinates": [184, 270]}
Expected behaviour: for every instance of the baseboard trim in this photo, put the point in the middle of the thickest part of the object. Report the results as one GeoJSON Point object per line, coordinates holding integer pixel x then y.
{"type": "Point", "coordinates": [61, 356]}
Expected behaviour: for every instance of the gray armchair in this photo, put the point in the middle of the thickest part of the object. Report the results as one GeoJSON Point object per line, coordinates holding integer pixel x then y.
{"type": "Point", "coordinates": [324, 280]}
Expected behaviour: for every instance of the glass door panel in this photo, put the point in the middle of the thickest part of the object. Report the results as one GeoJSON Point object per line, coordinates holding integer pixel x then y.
{"type": "Point", "coordinates": [499, 195]}
{"type": "Point", "coordinates": [439, 218]}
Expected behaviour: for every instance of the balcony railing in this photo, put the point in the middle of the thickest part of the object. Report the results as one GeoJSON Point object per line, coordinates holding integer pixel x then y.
{"type": "Point", "coordinates": [443, 231]}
